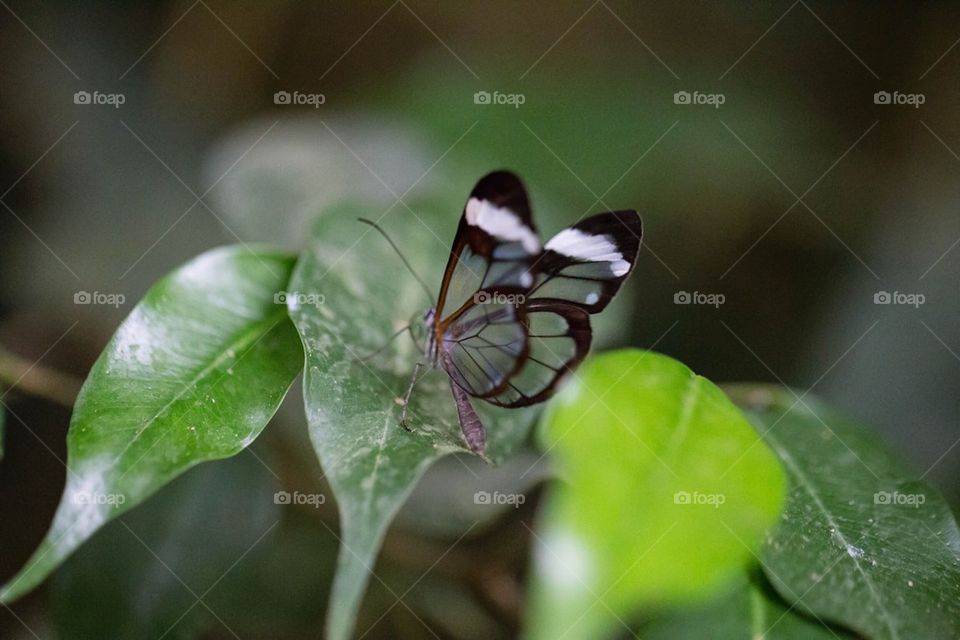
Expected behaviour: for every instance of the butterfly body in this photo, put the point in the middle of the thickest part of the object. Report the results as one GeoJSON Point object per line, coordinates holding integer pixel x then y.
{"type": "Point", "coordinates": [513, 315]}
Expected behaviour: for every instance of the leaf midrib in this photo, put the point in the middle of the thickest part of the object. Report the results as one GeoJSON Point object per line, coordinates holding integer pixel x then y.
{"type": "Point", "coordinates": [691, 395]}
{"type": "Point", "coordinates": [807, 486]}
{"type": "Point", "coordinates": [236, 346]}
{"type": "Point", "coordinates": [374, 474]}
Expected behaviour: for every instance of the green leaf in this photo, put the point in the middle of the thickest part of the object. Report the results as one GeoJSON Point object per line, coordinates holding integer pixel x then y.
{"type": "Point", "coordinates": [861, 541]}
{"type": "Point", "coordinates": [669, 491]}
{"type": "Point", "coordinates": [750, 609]}
{"type": "Point", "coordinates": [352, 294]}
{"type": "Point", "coordinates": [193, 374]}
{"type": "Point", "coordinates": [148, 567]}
{"type": "Point", "coordinates": [262, 569]}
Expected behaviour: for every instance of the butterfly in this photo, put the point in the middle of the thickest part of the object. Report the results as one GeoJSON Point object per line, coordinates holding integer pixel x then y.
{"type": "Point", "coordinates": [512, 318]}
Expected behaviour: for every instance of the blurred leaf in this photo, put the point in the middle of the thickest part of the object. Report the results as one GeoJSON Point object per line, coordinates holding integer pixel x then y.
{"type": "Point", "coordinates": [3, 426]}
{"type": "Point", "coordinates": [218, 533]}
{"type": "Point", "coordinates": [861, 542]}
{"type": "Point", "coordinates": [454, 609]}
{"type": "Point", "coordinates": [301, 167]}
{"type": "Point", "coordinates": [448, 502]}
{"type": "Point", "coordinates": [668, 494]}
{"type": "Point", "coordinates": [434, 605]}
{"type": "Point", "coordinates": [193, 374]}
{"type": "Point", "coordinates": [148, 568]}
{"type": "Point", "coordinates": [353, 293]}
{"type": "Point", "coordinates": [281, 590]}
{"type": "Point", "coordinates": [750, 609]}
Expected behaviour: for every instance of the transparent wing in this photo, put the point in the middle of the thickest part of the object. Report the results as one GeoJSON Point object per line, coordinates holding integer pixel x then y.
{"type": "Point", "coordinates": [514, 318]}
{"type": "Point", "coordinates": [558, 337]}
{"type": "Point", "coordinates": [486, 343]}
{"type": "Point", "coordinates": [495, 243]}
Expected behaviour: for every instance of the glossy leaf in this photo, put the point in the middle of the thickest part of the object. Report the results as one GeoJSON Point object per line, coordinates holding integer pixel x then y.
{"type": "Point", "coordinates": [193, 374]}
{"type": "Point", "coordinates": [668, 492]}
{"type": "Point", "coordinates": [862, 541]}
{"type": "Point", "coordinates": [352, 294]}
{"type": "Point", "coordinates": [749, 610]}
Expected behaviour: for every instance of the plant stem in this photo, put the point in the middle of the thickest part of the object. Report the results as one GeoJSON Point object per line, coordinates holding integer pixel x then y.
{"type": "Point", "coordinates": [19, 374]}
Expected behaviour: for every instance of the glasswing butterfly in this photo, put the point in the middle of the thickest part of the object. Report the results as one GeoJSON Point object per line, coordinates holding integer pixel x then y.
{"type": "Point", "coordinates": [513, 316]}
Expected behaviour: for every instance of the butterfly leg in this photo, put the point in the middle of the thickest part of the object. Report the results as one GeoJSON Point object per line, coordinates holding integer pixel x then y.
{"type": "Point", "coordinates": [414, 338]}
{"type": "Point", "coordinates": [405, 402]}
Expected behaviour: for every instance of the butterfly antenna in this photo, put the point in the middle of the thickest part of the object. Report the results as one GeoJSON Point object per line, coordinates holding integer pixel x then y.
{"type": "Point", "coordinates": [356, 358]}
{"type": "Point", "coordinates": [397, 249]}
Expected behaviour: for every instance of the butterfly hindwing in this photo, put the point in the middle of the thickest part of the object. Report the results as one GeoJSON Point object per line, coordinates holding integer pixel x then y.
{"type": "Point", "coordinates": [483, 345]}
{"type": "Point", "coordinates": [513, 316]}
{"type": "Point", "coordinates": [558, 336]}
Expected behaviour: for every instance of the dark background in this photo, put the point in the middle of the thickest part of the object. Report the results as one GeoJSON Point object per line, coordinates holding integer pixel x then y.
{"type": "Point", "coordinates": [105, 199]}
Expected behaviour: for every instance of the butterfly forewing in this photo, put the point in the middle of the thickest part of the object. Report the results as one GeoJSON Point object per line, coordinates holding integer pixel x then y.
{"type": "Point", "coordinates": [495, 243]}
{"type": "Point", "coordinates": [585, 264]}
{"type": "Point", "coordinates": [513, 317]}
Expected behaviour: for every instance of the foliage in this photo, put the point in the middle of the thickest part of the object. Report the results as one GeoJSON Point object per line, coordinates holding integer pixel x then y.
{"type": "Point", "coordinates": [659, 516]}
{"type": "Point", "coordinates": [666, 494]}
{"type": "Point", "coordinates": [861, 542]}
{"type": "Point", "coordinates": [193, 374]}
